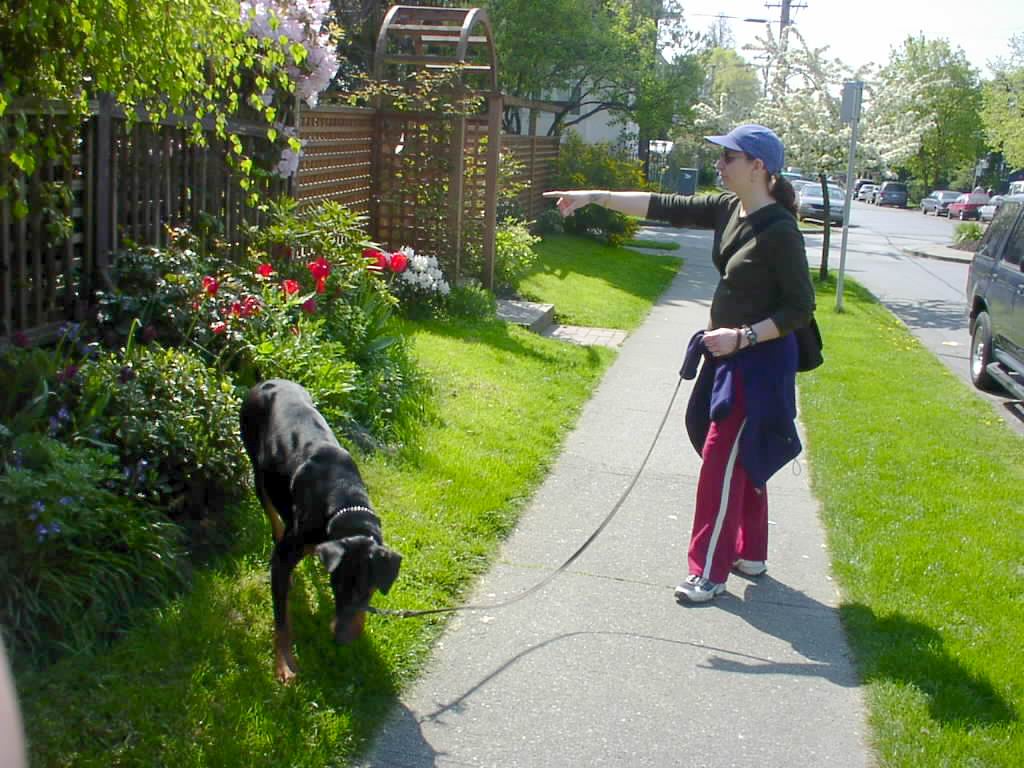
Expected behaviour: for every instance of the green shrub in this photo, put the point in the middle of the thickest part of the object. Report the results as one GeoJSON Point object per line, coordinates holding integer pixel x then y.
{"type": "Point", "coordinates": [549, 223]}
{"type": "Point", "coordinates": [174, 422]}
{"type": "Point", "coordinates": [471, 300]}
{"type": "Point", "coordinates": [598, 166]}
{"type": "Point", "coordinates": [513, 252]}
{"type": "Point", "coordinates": [967, 232]}
{"type": "Point", "coordinates": [78, 554]}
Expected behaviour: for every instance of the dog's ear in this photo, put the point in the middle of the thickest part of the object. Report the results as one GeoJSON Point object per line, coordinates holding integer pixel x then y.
{"type": "Point", "coordinates": [330, 553]}
{"type": "Point", "coordinates": [384, 565]}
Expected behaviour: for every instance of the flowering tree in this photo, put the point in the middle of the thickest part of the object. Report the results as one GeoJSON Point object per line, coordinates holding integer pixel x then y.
{"type": "Point", "coordinates": [194, 58]}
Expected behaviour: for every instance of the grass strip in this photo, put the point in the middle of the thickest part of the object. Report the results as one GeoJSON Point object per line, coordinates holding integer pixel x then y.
{"type": "Point", "coordinates": [193, 685]}
{"type": "Point", "coordinates": [597, 285]}
{"type": "Point", "coordinates": [658, 245]}
{"type": "Point", "coordinates": [922, 492]}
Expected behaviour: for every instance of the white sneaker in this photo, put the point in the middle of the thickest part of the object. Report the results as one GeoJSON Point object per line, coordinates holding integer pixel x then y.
{"type": "Point", "coordinates": [750, 567]}
{"type": "Point", "coordinates": [697, 589]}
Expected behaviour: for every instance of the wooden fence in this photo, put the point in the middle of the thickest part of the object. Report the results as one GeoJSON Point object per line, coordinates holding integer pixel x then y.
{"type": "Point", "coordinates": [128, 183]}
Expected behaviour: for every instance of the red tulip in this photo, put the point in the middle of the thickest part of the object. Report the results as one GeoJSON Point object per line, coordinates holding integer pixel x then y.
{"type": "Point", "coordinates": [219, 328]}
{"type": "Point", "coordinates": [264, 270]}
{"type": "Point", "coordinates": [210, 285]}
{"type": "Point", "coordinates": [290, 287]}
{"type": "Point", "coordinates": [320, 268]}
{"type": "Point", "coordinates": [399, 261]}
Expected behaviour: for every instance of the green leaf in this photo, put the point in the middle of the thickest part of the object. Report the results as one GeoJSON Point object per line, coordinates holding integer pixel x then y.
{"type": "Point", "coordinates": [24, 160]}
{"type": "Point", "coordinates": [271, 134]}
{"type": "Point", "coordinates": [295, 144]}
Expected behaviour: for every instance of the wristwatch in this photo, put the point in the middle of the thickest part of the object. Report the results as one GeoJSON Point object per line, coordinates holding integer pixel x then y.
{"type": "Point", "coordinates": [750, 334]}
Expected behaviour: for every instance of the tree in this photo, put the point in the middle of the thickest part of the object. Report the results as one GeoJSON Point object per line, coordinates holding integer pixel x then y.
{"type": "Point", "coordinates": [1003, 104]}
{"type": "Point", "coordinates": [949, 98]}
{"type": "Point", "coordinates": [600, 54]}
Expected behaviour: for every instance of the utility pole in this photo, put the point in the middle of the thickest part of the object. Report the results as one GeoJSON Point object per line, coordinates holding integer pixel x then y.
{"type": "Point", "coordinates": [784, 20]}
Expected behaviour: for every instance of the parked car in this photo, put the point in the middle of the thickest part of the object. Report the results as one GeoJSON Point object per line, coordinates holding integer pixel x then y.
{"type": "Point", "coordinates": [938, 202]}
{"type": "Point", "coordinates": [988, 211]}
{"type": "Point", "coordinates": [858, 184]}
{"type": "Point", "coordinates": [866, 192]}
{"type": "Point", "coordinates": [995, 284]}
{"type": "Point", "coordinates": [968, 205]}
{"type": "Point", "coordinates": [811, 203]}
{"type": "Point", "coordinates": [799, 184]}
{"type": "Point", "coordinates": [891, 193]}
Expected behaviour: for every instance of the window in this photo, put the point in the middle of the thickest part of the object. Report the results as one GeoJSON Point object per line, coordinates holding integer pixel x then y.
{"type": "Point", "coordinates": [997, 231]}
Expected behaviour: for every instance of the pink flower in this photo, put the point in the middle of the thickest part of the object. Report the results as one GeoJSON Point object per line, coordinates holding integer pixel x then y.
{"type": "Point", "coordinates": [264, 270]}
{"type": "Point", "coordinates": [210, 285]}
{"type": "Point", "coordinates": [290, 287]}
{"type": "Point", "coordinates": [219, 328]}
{"type": "Point", "coordinates": [399, 261]}
{"type": "Point", "coordinates": [309, 306]}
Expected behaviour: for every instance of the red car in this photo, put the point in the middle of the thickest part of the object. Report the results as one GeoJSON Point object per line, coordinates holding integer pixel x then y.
{"type": "Point", "coordinates": [967, 206]}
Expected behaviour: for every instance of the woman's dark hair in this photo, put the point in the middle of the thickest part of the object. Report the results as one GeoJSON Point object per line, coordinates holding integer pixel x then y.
{"type": "Point", "coordinates": [783, 192]}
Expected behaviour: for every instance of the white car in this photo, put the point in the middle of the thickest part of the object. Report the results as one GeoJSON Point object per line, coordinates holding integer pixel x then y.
{"type": "Point", "coordinates": [988, 211]}
{"type": "Point", "coordinates": [867, 192]}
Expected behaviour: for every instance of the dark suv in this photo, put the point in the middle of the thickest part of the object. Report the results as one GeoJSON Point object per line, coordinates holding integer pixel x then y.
{"type": "Point", "coordinates": [995, 295]}
{"type": "Point", "coordinates": [892, 193]}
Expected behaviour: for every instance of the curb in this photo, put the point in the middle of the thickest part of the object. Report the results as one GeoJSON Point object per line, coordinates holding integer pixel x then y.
{"type": "Point", "coordinates": [940, 256]}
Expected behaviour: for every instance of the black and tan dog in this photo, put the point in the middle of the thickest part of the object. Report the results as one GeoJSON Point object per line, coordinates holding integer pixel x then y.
{"type": "Point", "coordinates": [317, 502]}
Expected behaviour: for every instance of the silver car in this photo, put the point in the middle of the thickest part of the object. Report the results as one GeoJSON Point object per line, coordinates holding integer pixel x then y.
{"type": "Point", "coordinates": [812, 203]}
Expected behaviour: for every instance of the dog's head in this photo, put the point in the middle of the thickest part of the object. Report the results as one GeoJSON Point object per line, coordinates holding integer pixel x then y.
{"type": "Point", "coordinates": [358, 566]}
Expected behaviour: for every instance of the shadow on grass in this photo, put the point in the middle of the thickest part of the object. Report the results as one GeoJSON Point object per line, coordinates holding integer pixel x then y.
{"type": "Point", "coordinates": [887, 648]}
{"type": "Point", "coordinates": [901, 650]}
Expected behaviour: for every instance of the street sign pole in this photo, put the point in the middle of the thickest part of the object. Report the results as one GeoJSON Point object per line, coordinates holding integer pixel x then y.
{"type": "Point", "coordinates": [850, 113]}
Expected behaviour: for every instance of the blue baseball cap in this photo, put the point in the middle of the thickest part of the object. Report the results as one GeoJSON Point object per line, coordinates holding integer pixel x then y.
{"type": "Point", "coordinates": [757, 141]}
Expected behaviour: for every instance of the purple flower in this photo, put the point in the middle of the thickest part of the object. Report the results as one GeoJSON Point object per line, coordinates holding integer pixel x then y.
{"type": "Point", "coordinates": [70, 331]}
{"type": "Point", "coordinates": [38, 506]}
{"type": "Point", "coordinates": [54, 528]}
{"type": "Point", "coordinates": [21, 339]}
{"type": "Point", "coordinates": [54, 425]}
{"type": "Point", "coordinates": [65, 500]}
{"type": "Point", "coordinates": [64, 414]}
{"type": "Point", "coordinates": [127, 374]}
{"type": "Point", "coordinates": [17, 459]}
{"type": "Point", "coordinates": [41, 531]}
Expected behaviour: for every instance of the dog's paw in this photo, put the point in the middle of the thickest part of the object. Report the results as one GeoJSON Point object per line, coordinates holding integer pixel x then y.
{"type": "Point", "coordinates": [285, 668]}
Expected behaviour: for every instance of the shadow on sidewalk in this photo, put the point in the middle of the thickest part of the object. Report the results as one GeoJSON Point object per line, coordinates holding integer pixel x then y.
{"type": "Point", "coordinates": [891, 648]}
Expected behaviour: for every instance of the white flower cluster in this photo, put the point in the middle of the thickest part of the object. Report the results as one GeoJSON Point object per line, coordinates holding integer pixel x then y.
{"type": "Point", "coordinates": [423, 273]}
{"type": "Point", "coordinates": [303, 22]}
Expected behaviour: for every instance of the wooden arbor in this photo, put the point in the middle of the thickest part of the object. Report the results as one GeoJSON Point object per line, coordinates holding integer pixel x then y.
{"type": "Point", "coordinates": [412, 39]}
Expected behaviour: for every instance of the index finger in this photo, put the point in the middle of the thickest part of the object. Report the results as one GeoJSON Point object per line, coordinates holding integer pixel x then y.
{"type": "Point", "coordinates": [554, 194]}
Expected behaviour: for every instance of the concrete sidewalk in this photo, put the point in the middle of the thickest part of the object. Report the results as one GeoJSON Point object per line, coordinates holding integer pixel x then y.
{"type": "Point", "coordinates": [603, 667]}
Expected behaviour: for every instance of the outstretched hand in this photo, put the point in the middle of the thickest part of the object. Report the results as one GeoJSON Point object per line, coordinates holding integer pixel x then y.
{"type": "Point", "coordinates": [570, 201]}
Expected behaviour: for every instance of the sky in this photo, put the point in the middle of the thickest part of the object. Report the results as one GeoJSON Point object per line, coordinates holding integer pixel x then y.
{"type": "Point", "coordinates": [864, 31]}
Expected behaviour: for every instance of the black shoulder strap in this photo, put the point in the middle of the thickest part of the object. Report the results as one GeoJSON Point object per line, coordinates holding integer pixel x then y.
{"type": "Point", "coordinates": [755, 229]}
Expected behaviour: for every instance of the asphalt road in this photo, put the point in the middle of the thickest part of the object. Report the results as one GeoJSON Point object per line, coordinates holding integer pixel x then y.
{"type": "Point", "coordinates": [927, 294]}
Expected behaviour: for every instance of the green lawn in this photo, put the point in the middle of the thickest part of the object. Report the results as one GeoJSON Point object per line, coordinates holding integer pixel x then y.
{"type": "Point", "coordinates": [193, 685]}
{"type": "Point", "coordinates": [922, 491]}
{"type": "Point", "coordinates": [597, 285]}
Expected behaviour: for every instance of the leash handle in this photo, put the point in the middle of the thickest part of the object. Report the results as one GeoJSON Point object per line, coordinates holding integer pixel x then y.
{"type": "Point", "coordinates": [408, 614]}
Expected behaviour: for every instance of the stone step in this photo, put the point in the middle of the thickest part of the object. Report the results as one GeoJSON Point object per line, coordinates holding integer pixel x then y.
{"type": "Point", "coordinates": [529, 314]}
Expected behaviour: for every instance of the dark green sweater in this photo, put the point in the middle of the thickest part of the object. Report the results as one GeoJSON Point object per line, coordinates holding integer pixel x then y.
{"type": "Point", "coordinates": [766, 278]}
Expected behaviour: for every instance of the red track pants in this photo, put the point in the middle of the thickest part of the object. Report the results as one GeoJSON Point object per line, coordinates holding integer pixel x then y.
{"type": "Point", "coordinates": [731, 516]}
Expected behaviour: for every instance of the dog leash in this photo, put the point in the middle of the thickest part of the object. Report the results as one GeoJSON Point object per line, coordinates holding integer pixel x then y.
{"type": "Point", "coordinates": [407, 614]}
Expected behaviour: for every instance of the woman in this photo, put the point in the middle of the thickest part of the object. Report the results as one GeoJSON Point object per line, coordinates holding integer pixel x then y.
{"type": "Point", "coordinates": [746, 388]}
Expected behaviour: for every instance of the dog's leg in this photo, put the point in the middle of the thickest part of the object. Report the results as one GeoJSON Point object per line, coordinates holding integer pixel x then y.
{"type": "Point", "coordinates": [283, 561]}
{"type": "Point", "coordinates": [276, 522]}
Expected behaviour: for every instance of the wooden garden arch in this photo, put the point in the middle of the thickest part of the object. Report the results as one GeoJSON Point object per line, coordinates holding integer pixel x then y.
{"type": "Point", "coordinates": [440, 38]}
